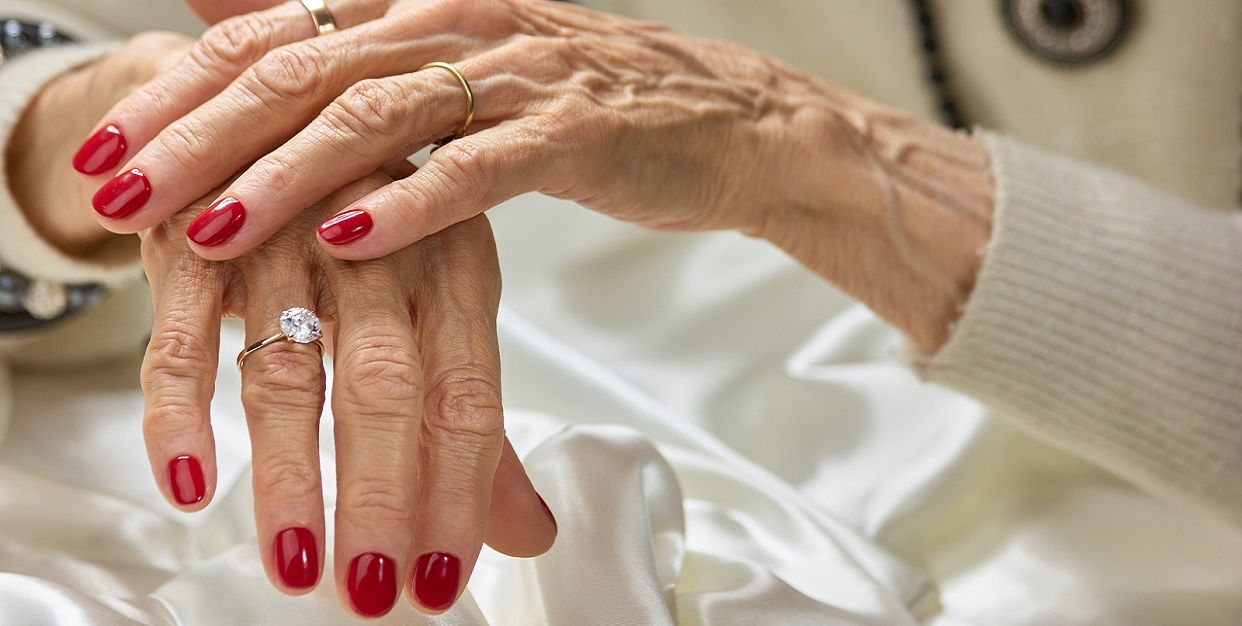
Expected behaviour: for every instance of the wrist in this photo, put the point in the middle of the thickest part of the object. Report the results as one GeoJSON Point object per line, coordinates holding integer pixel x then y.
{"type": "Point", "coordinates": [55, 200]}
{"type": "Point", "coordinates": [903, 213]}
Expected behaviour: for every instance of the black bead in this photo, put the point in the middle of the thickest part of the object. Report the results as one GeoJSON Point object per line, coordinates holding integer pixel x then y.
{"type": "Point", "coordinates": [12, 292]}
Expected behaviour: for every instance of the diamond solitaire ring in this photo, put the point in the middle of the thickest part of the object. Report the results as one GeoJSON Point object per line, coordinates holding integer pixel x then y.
{"type": "Point", "coordinates": [297, 325]}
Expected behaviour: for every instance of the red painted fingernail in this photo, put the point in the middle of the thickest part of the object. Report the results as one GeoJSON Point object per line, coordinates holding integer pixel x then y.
{"type": "Point", "coordinates": [101, 152]}
{"type": "Point", "coordinates": [436, 576]}
{"type": "Point", "coordinates": [548, 511]}
{"type": "Point", "coordinates": [185, 476]}
{"type": "Point", "coordinates": [346, 227]}
{"type": "Point", "coordinates": [122, 195]}
{"type": "Point", "coordinates": [218, 223]}
{"type": "Point", "coordinates": [372, 584]}
{"type": "Point", "coordinates": [297, 557]}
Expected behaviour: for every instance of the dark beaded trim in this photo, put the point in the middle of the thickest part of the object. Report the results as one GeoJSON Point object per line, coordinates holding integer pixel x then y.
{"type": "Point", "coordinates": [949, 112]}
{"type": "Point", "coordinates": [18, 293]}
{"type": "Point", "coordinates": [18, 37]}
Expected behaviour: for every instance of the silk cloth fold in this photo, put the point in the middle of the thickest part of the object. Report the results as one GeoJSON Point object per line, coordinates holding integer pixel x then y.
{"type": "Point", "coordinates": [724, 440]}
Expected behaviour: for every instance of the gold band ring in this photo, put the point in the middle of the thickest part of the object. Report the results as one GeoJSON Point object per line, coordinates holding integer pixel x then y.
{"type": "Point", "coordinates": [324, 22]}
{"type": "Point", "coordinates": [465, 84]}
{"type": "Point", "coordinates": [297, 325]}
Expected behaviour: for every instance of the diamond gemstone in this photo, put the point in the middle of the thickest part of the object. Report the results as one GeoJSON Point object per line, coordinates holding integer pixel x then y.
{"type": "Point", "coordinates": [300, 325]}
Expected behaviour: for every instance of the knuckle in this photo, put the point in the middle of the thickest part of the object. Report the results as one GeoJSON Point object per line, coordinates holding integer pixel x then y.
{"type": "Point", "coordinates": [188, 148]}
{"type": "Point", "coordinates": [377, 500]}
{"type": "Point", "coordinates": [288, 73]}
{"type": "Point", "coordinates": [233, 43]}
{"type": "Point", "coordinates": [464, 410]}
{"type": "Point", "coordinates": [380, 377]}
{"type": "Point", "coordinates": [175, 379]}
{"type": "Point", "coordinates": [178, 351]}
{"type": "Point", "coordinates": [467, 165]}
{"type": "Point", "coordinates": [289, 475]}
{"type": "Point", "coordinates": [276, 171]}
{"type": "Point", "coordinates": [370, 108]}
{"type": "Point", "coordinates": [276, 386]}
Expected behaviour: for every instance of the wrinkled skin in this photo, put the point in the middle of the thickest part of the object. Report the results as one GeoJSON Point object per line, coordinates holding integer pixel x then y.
{"type": "Point", "coordinates": [422, 461]}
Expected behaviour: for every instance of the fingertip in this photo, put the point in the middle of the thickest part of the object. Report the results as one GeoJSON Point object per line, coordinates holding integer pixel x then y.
{"type": "Point", "coordinates": [520, 522]}
{"type": "Point", "coordinates": [223, 253]}
{"type": "Point", "coordinates": [121, 197]}
{"type": "Point", "coordinates": [295, 561]}
{"type": "Point", "coordinates": [101, 152]}
{"type": "Point", "coordinates": [346, 227]}
{"type": "Point", "coordinates": [188, 485]}
{"type": "Point", "coordinates": [355, 235]}
{"type": "Point", "coordinates": [436, 582]}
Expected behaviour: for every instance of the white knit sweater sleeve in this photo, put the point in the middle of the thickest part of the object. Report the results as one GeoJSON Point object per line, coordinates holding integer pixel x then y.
{"type": "Point", "coordinates": [20, 246]}
{"type": "Point", "coordinates": [1107, 320]}
{"type": "Point", "coordinates": [117, 325]}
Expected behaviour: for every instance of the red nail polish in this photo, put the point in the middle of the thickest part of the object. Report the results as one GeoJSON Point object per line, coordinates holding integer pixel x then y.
{"type": "Point", "coordinates": [372, 584]}
{"type": "Point", "coordinates": [346, 227]}
{"type": "Point", "coordinates": [436, 576]}
{"type": "Point", "coordinates": [122, 195]}
{"type": "Point", "coordinates": [218, 223]}
{"type": "Point", "coordinates": [101, 152]}
{"type": "Point", "coordinates": [185, 476]}
{"type": "Point", "coordinates": [297, 557]}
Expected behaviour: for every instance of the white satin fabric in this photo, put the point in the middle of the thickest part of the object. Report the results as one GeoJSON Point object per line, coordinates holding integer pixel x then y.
{"type": "Point", "coordinates": [724, 439]}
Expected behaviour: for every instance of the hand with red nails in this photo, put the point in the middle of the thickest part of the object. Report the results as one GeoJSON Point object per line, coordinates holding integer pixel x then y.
{"type": "Point", "coordinates": [424, 472]}
{"type": "Point", "coordinates": [633, 120]}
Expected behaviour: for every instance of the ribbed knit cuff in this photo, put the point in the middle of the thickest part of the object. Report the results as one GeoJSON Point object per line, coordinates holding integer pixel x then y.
{"type": "Point", "coordinates": [1107, 320]}
{"type": "Point", "coordinates": [21, 247]}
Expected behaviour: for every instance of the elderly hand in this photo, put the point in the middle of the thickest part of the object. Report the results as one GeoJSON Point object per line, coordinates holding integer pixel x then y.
{"type": "Point", "coordinates": [630, 119]}
{"type": "Point", "coordinates": [424, 472]}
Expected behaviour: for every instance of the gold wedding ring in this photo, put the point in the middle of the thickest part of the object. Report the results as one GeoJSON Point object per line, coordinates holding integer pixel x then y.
{"type": "Point", "coordinates": [465, 84]}
{"type": "Point", "coordinates": [324, 22]}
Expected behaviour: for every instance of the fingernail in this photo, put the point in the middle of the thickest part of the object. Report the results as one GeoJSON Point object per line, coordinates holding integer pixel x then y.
{"type": "Point", "coordinates": [297, 557]}
{"type": "Point", "coordinates": [218, 223]}
{"type": "Point", "coordinates": [185, 476]}
{"type": "Point", "coordinates": [346, 226]}
{"type": "Point", "coordinates": [372, 584]}
{"type": "Point", "coordinates": [548, 511]}
{"type": "Point", "coordinates": [101, 152]}
{"type": "Point", "coordinates": [122, 195]}
{"type": "Point", "coordinates": [436, 576]}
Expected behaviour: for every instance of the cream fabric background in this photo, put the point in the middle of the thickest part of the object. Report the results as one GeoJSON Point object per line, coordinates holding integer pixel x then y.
{"type": "Point", "coordinates": [703, 471]}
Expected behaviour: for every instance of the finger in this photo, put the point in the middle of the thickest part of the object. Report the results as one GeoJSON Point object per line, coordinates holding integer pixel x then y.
{"type": "Point", "coordinates": [377, 405]}
{"type": "Point", "coordinates": [223, 53]}
{"type": "Point", "coordinates": [178, 376]}
{"type": "Point", "coordinates": [373, 123]}
{"type": "Point", "coordinates": [459, 181]}
{"type": "Point", "coordinates": [519, 522]}
{"type": "Point", "coordinates": [270, 101]}
{"type": "Point", "coordinates": [463, 425]}
{"type": "Point", "coordinates": [282, 393]}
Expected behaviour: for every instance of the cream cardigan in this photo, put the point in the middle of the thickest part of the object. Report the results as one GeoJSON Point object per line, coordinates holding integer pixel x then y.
{"type": "Point", "coordinates": [1107, 318]}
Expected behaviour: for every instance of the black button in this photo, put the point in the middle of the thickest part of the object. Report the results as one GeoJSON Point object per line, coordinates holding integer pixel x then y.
{"type": "Point", "coordinates": [1061, 14]}
{"type": "Point", "coordinates": [1068, 32]}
